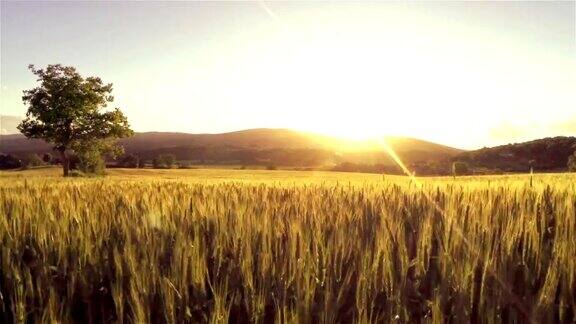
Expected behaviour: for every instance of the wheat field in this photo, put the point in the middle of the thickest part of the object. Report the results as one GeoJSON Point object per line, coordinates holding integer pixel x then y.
{"type": "Point", "coordinates": [217, 246]}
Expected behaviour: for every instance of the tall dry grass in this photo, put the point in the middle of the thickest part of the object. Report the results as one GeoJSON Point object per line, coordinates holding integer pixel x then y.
{"type": "Point", "coordinates": [93, 250]}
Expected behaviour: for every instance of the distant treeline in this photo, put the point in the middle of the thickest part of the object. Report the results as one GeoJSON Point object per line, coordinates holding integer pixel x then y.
{"type": "Point", "coordinates": [232, 155]}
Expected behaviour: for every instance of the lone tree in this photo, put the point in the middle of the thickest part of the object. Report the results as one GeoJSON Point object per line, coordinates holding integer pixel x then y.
{"type": "Point", "coordinates": [66, 111]}
{"type": "Point", "coordinates": [460, 168]}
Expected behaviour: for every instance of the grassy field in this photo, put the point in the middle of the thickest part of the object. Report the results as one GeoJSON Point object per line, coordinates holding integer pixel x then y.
{"type": "Point", "coordinates": [219, 246]}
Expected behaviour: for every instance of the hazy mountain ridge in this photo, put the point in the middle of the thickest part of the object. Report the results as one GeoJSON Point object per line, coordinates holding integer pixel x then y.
{"type": "Point", "coordinates": [276, 146]}
{"type": "Point", "coordinates": [284, 147]}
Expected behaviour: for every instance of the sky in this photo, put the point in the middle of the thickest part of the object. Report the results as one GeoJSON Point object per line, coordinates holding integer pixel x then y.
{"type": "Point", "coordinates": [465, 74]}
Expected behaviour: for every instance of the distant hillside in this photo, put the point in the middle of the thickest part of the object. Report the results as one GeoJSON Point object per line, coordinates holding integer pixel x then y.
{"type": "Point", "coordinates": [281, 147]}
{"type": "Point", "coordinates": [261, 138]}
{"type": "Point", "coordinates": [546, 154]}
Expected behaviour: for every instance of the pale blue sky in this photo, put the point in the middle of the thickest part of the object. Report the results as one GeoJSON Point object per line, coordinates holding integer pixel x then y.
{"type": "Point", "coordinates": [466, 74]}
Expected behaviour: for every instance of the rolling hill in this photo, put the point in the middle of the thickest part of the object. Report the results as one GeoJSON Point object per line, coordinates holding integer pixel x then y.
{"type": "Point", "coordinates": [258, 146]}
{"type": "Point", "coordinates": [289, 148]}
{"type": "Point", "coordinates": [545, 154]}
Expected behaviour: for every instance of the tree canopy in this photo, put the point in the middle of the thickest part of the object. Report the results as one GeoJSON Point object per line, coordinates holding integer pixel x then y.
{"type": "Point", "coordinates": [572, 162]}
{"type": "Point", "coordinates": [67, 111]}
{"type": "Point", "coordinates": [460, 168]}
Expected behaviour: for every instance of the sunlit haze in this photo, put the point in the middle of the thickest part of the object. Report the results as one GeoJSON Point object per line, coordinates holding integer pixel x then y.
{"type": "Point", "coordinates": [466, 74]}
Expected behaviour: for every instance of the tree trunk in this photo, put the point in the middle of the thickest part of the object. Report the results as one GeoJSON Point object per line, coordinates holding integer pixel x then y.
{"type": "Point", "coordinates": [65, 162]}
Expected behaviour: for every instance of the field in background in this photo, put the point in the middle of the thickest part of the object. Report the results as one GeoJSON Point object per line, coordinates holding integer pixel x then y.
{"type": "Point", "coordinates": [219, 245]}
{"type": "Point", "coordinates": [219, 174]}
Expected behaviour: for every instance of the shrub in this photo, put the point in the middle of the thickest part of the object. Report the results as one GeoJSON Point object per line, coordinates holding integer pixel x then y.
{"type": "Point", "coordinates": [92, 162]}
{"type": "Point", "coordinates": [47, 158]}
{"type": "Point", "coordinates": [184, 165]}
{"type": "Point", "coordinates": [164, 161]}
{"type": "Point", "coordinates": [32, 160]}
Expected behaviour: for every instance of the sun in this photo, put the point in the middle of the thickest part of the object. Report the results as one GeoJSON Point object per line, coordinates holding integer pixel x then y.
{"type": "Point", "coordinates": [355, 90]}
{"type": "Point", "coordinates": [359, 79]}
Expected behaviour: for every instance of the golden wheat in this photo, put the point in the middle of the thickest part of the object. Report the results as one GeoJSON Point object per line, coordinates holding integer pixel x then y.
{"type": "Point", "coordinates": [221, 246]}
